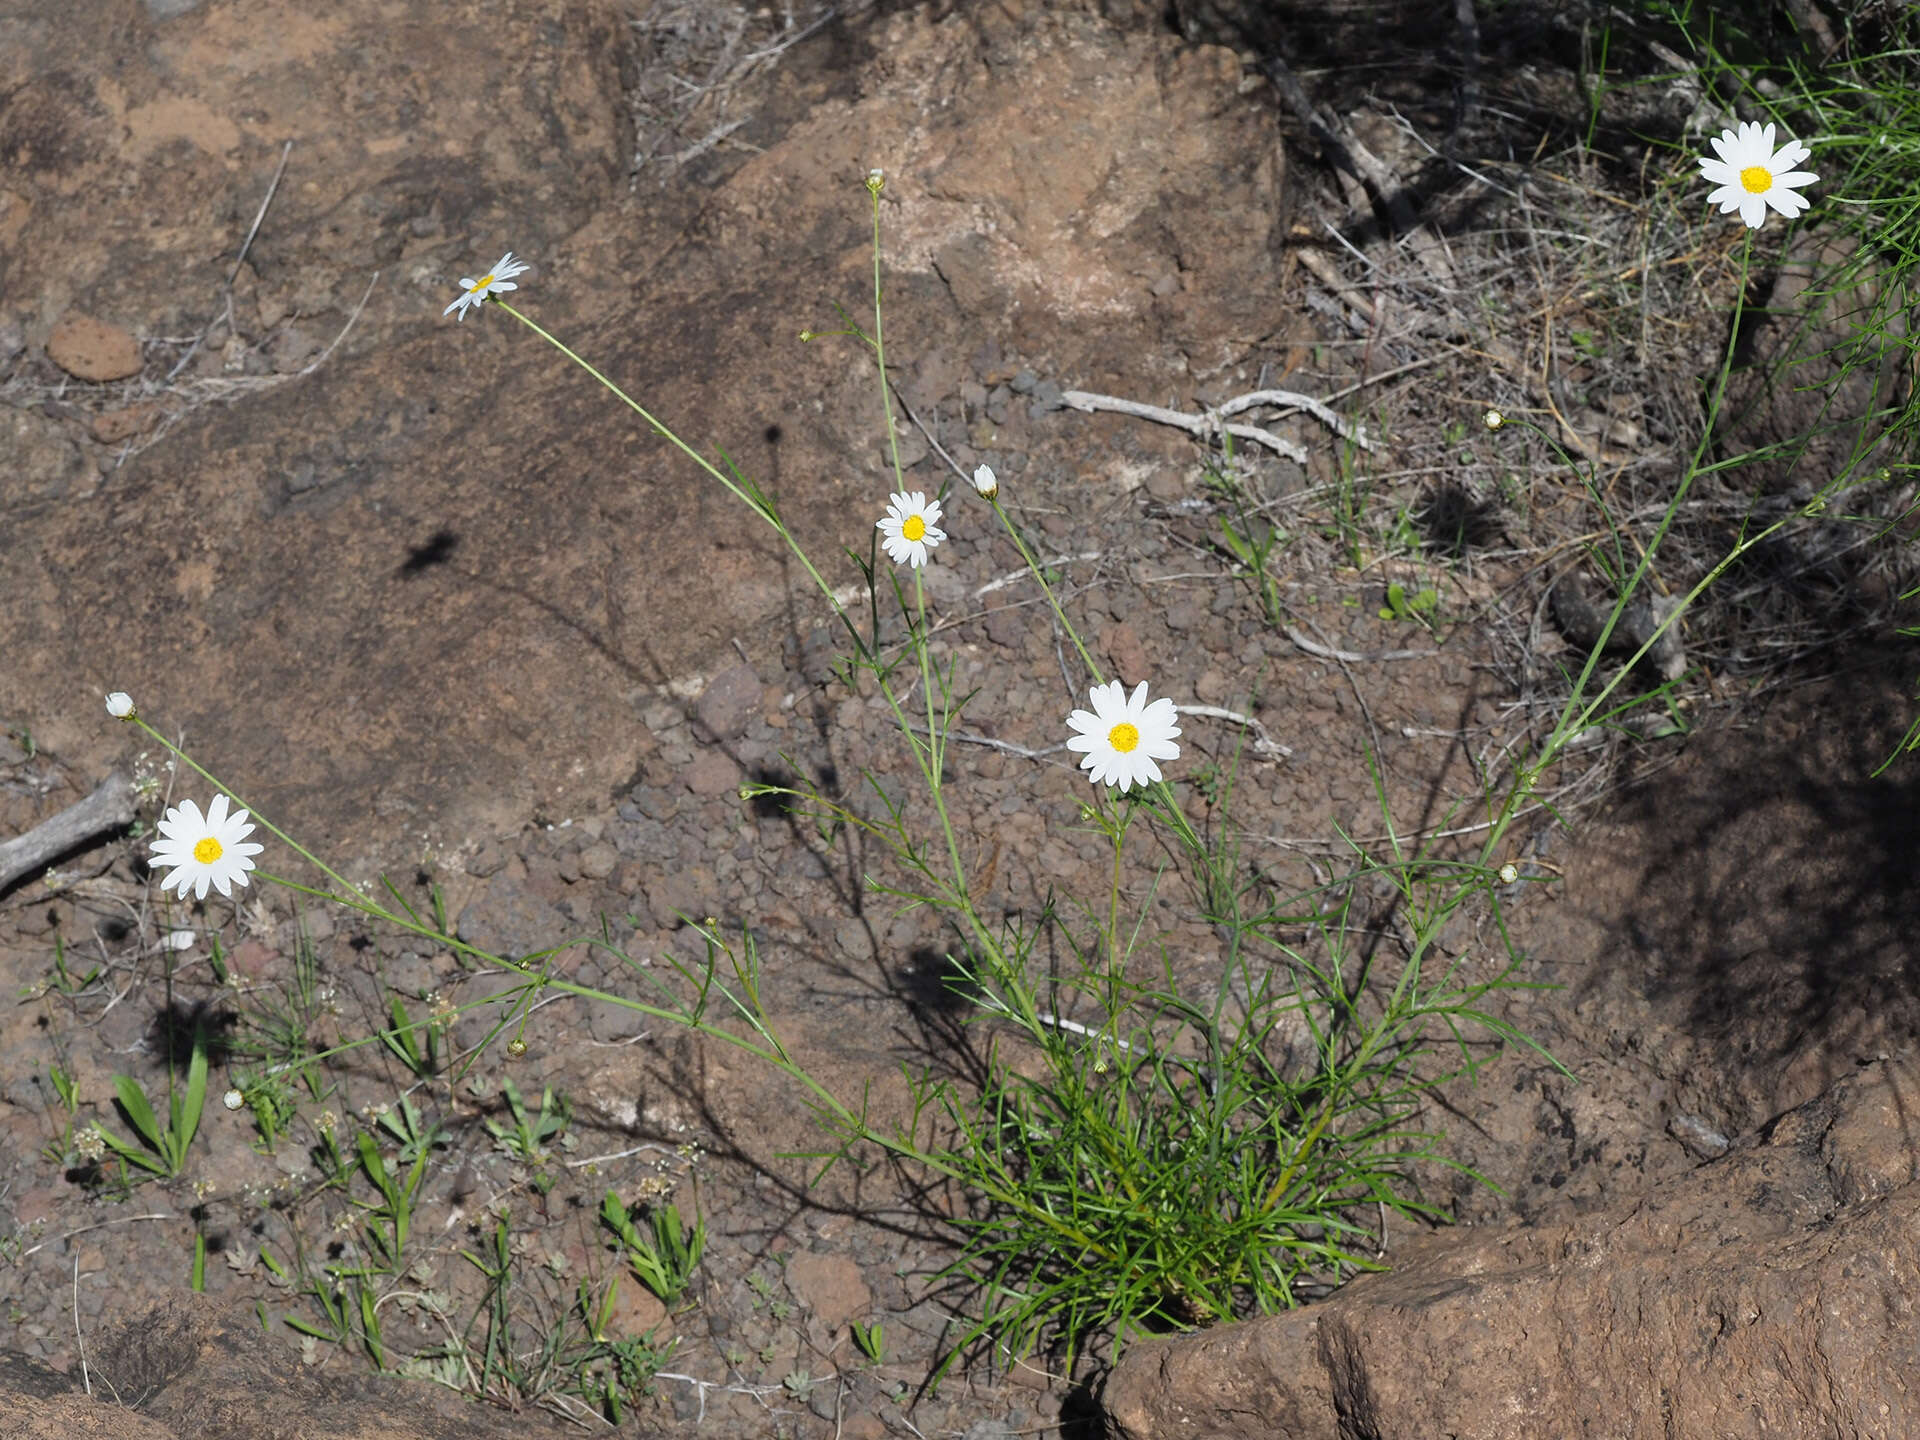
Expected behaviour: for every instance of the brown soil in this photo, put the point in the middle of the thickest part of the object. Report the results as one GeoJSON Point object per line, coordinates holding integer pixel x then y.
{"type": "Point", "coordinates": [444, 611]}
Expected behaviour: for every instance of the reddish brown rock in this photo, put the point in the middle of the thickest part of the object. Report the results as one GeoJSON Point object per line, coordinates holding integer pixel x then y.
{"type": "Point", "coordinates": [117, 425]}
{"type": "Point", "coordinates": [831, 1286]}
{"type": "Point", "coordinates": [90, 349]}
{"type": "Point", "coordinates": [192, 1367]}
{"type": "Point", "coordinates": [1768, 1293]}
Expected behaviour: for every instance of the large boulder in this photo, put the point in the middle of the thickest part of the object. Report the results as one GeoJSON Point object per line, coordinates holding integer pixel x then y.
{"type": "Point", "coordinates": [426, 591]}
{"type": "Point", "coordinates": [1768, 1293]}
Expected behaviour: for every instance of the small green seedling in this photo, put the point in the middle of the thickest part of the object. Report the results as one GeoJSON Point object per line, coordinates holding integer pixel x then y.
{"type": "Point", "coordinates": [1416, 607]}
{"type": "Point", "coordinates": [665, 1265]}
{"type": "Point", "coordinates": [414, 1043]}
{"type": "Point", "coordinates": [63, 979]}
{"type": "Point", "coordinates": [870, 1340]}
{"type": "Point", "coordinates": [411, 1131]}
{"type": "Point", "coordinates": [167, 1143]}
{"type": "Point", "coordinates": [387, 1236]}
{"type": "Point", "coordinates": [526, 1139]}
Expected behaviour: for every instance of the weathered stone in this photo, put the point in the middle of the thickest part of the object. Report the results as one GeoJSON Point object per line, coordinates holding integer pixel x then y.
{"type": "Point", "coordinates": [1767, 1293]}
{"type": "Point", "coordinates": [831, 1286]}
{"type": "Point", "coordinates": [509, 919]}
{"type": "Point", "coordinates": [42, 464]}
{"type": "Point", "coordinates": [114, 426]}
{"type": "Point", "coordinates": [90, 349]}
{"type": "Point", "coordinates": [728, 702]}
{"type": "Point", "coordinates": [193, 1367]}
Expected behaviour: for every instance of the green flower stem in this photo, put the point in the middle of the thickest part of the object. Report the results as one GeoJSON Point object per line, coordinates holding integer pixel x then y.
{"type": "Point", "coordinates": [264, 823]}
{"type": "Point", "coordinates": [879, 341]}
{"type": "Point", "coordinates": [758, 506]}
{"type": "Point", "coordinates": [1040, 578]}
{"type": "Point", "coordinates": [1575, 716]}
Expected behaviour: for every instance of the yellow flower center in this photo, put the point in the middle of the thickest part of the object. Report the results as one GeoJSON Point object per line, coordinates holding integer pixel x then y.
{"type": "Point", "coordinates": [207, 851]}
{"type": "Point", "coordinates": [913, 528]}
{"type": "Point", "coordinates": [1756, 179]}
{"type": "Point", "coordinates": [1123, 737]}
{"type": "Point", "coordinates": [485, 280]}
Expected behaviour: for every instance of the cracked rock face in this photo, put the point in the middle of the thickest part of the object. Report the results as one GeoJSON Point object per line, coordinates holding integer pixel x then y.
{"type": "Point", "coordinates": [1766, 1293]}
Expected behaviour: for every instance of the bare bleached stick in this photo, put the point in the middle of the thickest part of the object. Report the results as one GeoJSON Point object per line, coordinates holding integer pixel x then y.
{"type": "Point", "coordinates": [109, 807]}
{"type": "Point", "coordinates": [1293, 400]}
{"type": "Point", "coordinates": [1263, 743]}
{"type": "Point", "coordinates": [1198, 425]}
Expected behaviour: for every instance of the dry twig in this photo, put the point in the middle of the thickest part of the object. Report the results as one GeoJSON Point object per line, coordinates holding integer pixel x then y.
{"type": "Point", "coordinates": [109, 807]}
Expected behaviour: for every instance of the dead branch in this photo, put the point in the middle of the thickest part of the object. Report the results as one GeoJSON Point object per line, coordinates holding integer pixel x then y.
{"type": "Point", "coordinates": [109, 807]}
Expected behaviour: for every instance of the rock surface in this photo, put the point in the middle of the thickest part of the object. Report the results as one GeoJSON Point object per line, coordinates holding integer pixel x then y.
{"type": "Point", "coordinates": [190, 1367]}
{"type": "Point", "coordinates": [1767, 1293]}
{"type": "Point", "coordinates": [447, 510]}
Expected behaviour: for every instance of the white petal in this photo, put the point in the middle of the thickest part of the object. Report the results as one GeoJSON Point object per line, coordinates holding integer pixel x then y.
{"type": "Point", "coordinates": [1753, 210]}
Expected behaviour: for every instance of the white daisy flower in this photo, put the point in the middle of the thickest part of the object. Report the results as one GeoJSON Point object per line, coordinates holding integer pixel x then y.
{"type": "Point", "coordinates": [204, 850]}
{"type": "Point", "coordinates": [120, 705]}
{"type": "Point", "coordinates": [1752, 175]}
{"type": "Point", "coordinates": [908, 528]}
{"type": "Point", "coordinates": [1123, 735]}
{"type": "Point", "coordinates": [492, 283]}
{"type": "Point", "coordinates": [986, 482]}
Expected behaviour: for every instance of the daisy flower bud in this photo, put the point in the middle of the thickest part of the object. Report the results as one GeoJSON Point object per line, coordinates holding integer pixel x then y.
{"type": "Point", "coordinates": [120, 705]}
{"type": "Point", "coordinates": [1493, 419]}
{"type": "Point", "coordinates": [233, 1099]}
{"type": "Point", "coordinates": [986, 482]}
